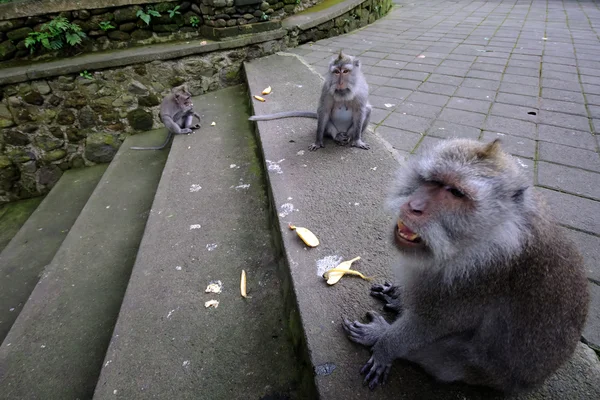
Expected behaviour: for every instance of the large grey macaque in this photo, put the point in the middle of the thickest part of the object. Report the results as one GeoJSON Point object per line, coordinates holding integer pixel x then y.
{"type": "Point", "coordinates": [344, 110]}
{"type": "Point", "coordinates": [177, 113]}
{"type": "Point", "coordinates": [490, 292]}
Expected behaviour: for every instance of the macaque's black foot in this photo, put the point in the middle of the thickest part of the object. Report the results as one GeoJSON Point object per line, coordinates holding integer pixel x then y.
{"type": "Point", "coordinates": [315, 146]}
{"type": "Point", "coordinates": [196, 126]}
{"type": "Point", "coordinates": [376, 372]}
{"type": "Point", "coordinates": [389, 294]}
{"type": "Point", "coordinates": [361, 145]}
{"type": "Point", "coordinates": [342, 139]}
{"type": "Point", "coordinates": [366, 334]}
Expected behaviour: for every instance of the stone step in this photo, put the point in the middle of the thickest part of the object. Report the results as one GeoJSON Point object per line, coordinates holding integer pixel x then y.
{"type": "Point", "coordinates": [56, 346]}
{"type": "Point", "coordinates": [35, 244]}
{"type": "Point", "coordinates": [209, 221]}
{"type": "Point", "coordinates": [12, 217]}
{"type": "Point", "coordinates": [339, 193]}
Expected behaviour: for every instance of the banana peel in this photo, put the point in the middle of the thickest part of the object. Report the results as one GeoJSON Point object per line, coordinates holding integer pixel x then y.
{"type": "Point", "coordinates": [307, 236]}
{"type": "Point", "coordinates": [335, 274]}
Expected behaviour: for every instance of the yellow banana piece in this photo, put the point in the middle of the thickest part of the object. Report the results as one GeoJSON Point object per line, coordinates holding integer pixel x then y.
{"type": "Point", "coordinates": [259, 98]}
{"type": "Point", "coordinates": [335, 274]}
{"type": "Point", "coordinates": [307, 236]}
{"type": "Point", "coordinates": [267, 90]}
{"type": "Point", "coordinates": [243, 284]}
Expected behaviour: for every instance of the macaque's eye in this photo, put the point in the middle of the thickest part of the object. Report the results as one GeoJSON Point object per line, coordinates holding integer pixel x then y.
{"type": "Point", "coordinates": [345, 71]}
{"type": "Point", "coordinates": [455, 192]}
{"type": "Point", "coordinates": [336, 71]}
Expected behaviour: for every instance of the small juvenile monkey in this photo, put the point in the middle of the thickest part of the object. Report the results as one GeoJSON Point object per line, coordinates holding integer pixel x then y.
{"type": "Point", "coordinates": [177, 113]}
{"type": "Point", "coordinates": [344, 110]}
{"type": "Point", "coordinates": [490, 290]}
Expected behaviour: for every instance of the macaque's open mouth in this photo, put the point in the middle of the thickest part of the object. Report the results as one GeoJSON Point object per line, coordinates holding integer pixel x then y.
{"type": "Point", "coordinates": [405, 234]}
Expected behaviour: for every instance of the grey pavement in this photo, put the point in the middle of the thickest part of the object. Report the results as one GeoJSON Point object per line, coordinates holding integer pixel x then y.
{"type": "Point", "coordinates": [527, 72]}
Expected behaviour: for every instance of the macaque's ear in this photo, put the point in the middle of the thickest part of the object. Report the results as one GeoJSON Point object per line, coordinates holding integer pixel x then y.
{"type": "Point", "coordinates": [341, 55]}
{"type": "Point", "coordinates": [490, 150]}
{"type": "Point", "coordinates": [356, 63]}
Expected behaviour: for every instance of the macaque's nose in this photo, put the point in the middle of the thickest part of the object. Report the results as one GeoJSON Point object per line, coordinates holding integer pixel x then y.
{"type": "Point", "coordinates": [416, 206]}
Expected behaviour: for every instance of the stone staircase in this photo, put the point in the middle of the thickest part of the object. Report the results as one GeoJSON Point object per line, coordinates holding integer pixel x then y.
{"type": "Point", "coordinates": [119, 309]}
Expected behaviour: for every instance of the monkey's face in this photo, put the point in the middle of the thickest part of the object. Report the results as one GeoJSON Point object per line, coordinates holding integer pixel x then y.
{"type": "Point", "coordinates": [343, 74]}
{"type": "Point", "coordinates": [457, 196]}
{"type": "Point", "coordinates": [184, 99]}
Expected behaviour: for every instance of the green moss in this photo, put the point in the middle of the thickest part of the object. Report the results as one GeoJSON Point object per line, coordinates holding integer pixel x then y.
{"type": "Point", "coordinates": [13, 216]}
{"type": "Point", "coordinates": [321, 6]}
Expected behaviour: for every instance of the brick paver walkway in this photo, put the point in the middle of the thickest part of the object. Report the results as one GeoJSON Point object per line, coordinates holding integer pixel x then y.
{"type": "Point", "coordinates": [525, 71]}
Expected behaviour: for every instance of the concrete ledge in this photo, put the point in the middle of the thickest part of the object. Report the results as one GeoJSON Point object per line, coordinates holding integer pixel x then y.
{"type": "Point", "coordinates": [136, 55]}
{"type": "Point", "coordinates": [30, 8]}
{"type": "Point", "coordinates": [309, 19]}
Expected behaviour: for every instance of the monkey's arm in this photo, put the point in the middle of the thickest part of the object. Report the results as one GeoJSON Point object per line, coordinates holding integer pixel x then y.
{"type": "Point", "coordinates": [359, 116]}
{"type": "Point", "coordinates": [323, 117]}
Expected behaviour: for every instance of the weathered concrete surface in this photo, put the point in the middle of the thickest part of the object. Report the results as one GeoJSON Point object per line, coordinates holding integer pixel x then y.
{"type": "Point", "coordinates": [38, 240]}
{"type": "Point", "coordinates": [338, 193]}
{"type": "Point", "coordinates": [56, 346]}
{"type": "Point", "coordinates": [12, 217]}
{"type": "Point", "coordinates": [209, 221]}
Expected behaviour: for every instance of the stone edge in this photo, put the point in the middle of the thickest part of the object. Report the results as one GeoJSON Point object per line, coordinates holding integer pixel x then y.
{"type": "Point", "coordinates": [307, 20]}
{"type": "Point", "coordinates": [96, 61]}
{"type": "Point", "coordinates": [30, 8]}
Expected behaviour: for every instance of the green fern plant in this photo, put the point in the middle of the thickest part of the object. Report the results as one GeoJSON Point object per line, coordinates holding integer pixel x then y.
{"type": "Point", "coordinates": [85, 74]}
{"type": "Point", "coordinates": [172, 12]}
{"type": "Point", "coordinates": [147, 15]}
{"type": "Point", "coordinates": [105, 25]}
{"type": "Point", "coordinates": [194, 21]}
{"type": "Point", "coordinates": [54, 34]}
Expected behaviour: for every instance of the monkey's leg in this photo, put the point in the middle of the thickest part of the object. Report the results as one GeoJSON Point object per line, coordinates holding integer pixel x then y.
{"type": "Point", "coordinates": [361, 124]}
{"type": "Point", "coordinates": [390, 295]}
{"type": "Point", "coordinates": [198, 125]}
{"type": "Point", "coordinates": [187, 122]}
{"type": "Point", "coordinates": [174, 127]}
{"type": "Point", "coordinates": [341, 138]}
{"type": "Point", "coordinates": [323, 117]}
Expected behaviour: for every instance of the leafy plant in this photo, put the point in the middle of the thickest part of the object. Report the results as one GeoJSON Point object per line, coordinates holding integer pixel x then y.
{"type": "Point", "coordinates": [147, 16]}
{"type": "Point", "coordinates": [85, 74]}
{"type": "Point", "coordinates": [172, 12]}
{"type": "Point", "coordinates": [194, 21]}
{"type": "Point", "coordinates": [298, 1]}
{"type": "Point", "coordinates": [54, 34]}
{"type": "Point", "coordinates": [105, 25]}
{"type": "Point", "coordinates": [264, 17]}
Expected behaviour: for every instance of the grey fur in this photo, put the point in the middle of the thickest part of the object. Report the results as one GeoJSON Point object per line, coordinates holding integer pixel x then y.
{"type": "Point", "coordinates": [177, 113]}
{"type": "Point", "coordinates": [496, 295]}
{"type": "Point", "coordinates": [342, 114]}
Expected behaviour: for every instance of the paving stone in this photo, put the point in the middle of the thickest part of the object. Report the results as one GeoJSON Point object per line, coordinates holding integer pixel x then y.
{"type": "Point", "coordinates": [398, 138]}
{"type": "Point", "coordinates": [516, 112]}
{"type": "Point", "coordinates": [518, 146]}
{"type": "Point", "coordinates": [561, 75]}
{"type": "Point", "coordinates": [392, 92]}
{"type": "Point", "coordinates": [564, 95]}
{"type": "Point", "coordinates": [567, 179]}
{"type": "Point", "coordinates": [493, 76]}
{"type": "Point", "coordinates": [589, 247]}
{"type": "Point", "coordinates": [475, 93]}
{"type": "Point", "coordinates": [590, 79]}
{"type": "Point", "coordinates": [564, 120]}
{"type": "Point", "coordinates": [391, 64]}
{"type": "Point", "coordinates": [418, 109]}
{"type": "Point", "coordinates": [592, 99]}
{"type": "Point", "coordinates": [517, 99]}
{"type": "Point", "coordinates": [445, 79]}
{"type": "Point", "coordinates": [460, 103]}
{"type": "Point", "coordinates": [376, 79]}
{"type": "Point", "coordinates": [462, 117]}
{"type": "Point", "coordinates": [488, 67]}
{"type": "Point", "coordinates": [569, 156]}
{"type": "Point", "coordinates": [411, 123]}
{"type": "Point", "coordinates": [437, 88]}
{"type": "Point", "coordinates": [420, 67]}
{"type": "Point", "coordinates": [414, 75]}
{"type": "Point", "coordinates": [428, 98]}
{"type": "Point", "coordinates": [374, 70]}
{"type": "Point", "coordinates": [489, 60]}
{"type": "Point", "coordinates": [559, 67]}
{"type": "Point", "coordinates": [559, 84]}
{"type": "Point", "coordinates": [400, 57]}
{"type": "Point", "coordinates": [591, 89]}
{"type": "Point", "coordinates": [379, 114]}
{"type": "Point", "coordinates": [445, 130]}
{"type": "Point", "coordinates": [403, 83]}
{"type": "Point", "coordinates": [569, 137]}
{"type": "Point", "coordinates": [481, 83]}
{"type": "Point", "coordinates": [456, 64]}
{"type": "Point", "coordinates": [516, 63]}
{"type": "Point", "coordinates": [594, 112]}
{"type": "Point", "coordinates": [511, 126]}
{"type": "Point", "coordinates": [530, 72]}
{"type": "Point", "coordinates": [563, 106]}
{"type": "Point", "coordinates": [515, 88]}
{"type": "Point", "coordinates": [427, 143]}
{"type": "Point", "coordinates": [368, 61]}
{"type": "Point", "coordinates": [574, 211]}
